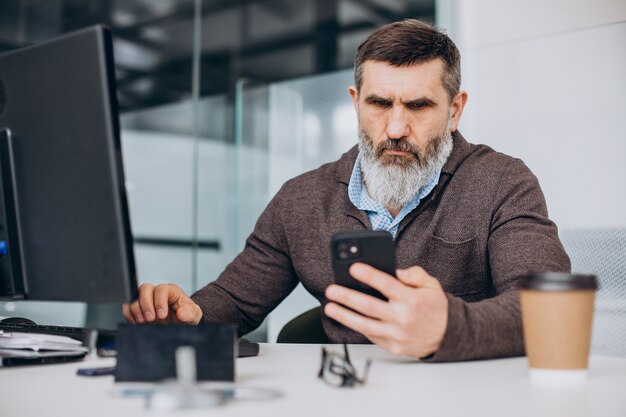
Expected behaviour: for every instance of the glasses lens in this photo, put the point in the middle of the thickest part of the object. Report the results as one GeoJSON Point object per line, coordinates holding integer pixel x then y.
{"type": "Point", "coordinates": [337, 370]}
{"type": "Point", "coordinates": [334, 378]}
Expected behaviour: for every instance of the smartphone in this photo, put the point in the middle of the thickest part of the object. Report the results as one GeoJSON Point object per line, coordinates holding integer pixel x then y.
{"type": "Point", "coordinates": [108, 370]}
{"type": "Point", "coordinates": [375, 248]}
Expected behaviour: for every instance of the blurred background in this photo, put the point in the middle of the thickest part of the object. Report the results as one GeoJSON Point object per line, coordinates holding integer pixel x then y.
{"type": "Point", "coordinates": [221, 101]}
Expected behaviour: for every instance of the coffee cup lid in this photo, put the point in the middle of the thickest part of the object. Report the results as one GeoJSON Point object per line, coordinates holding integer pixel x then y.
{"type": "Point", "coordinates": [558, 281]}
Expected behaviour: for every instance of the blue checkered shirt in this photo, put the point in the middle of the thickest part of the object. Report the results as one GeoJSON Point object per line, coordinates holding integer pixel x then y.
{"type": "Point", "coordinates": [379, 216]}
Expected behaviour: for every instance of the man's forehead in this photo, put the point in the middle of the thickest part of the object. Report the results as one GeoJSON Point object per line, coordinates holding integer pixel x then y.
{"type": "Point", "coordinates": [382, 79]}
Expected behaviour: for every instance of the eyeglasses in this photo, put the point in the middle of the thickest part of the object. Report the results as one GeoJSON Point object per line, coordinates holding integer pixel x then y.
{"type": "Point", "coordinates": [337, 369]}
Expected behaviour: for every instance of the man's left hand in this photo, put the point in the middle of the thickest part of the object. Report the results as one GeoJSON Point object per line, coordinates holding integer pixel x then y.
{"type": "Point", "coordinates": [412, 322]}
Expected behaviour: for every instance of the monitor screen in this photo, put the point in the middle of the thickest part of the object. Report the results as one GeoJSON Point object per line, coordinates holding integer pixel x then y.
{"type": "Point", "coordinates": [64, 225]}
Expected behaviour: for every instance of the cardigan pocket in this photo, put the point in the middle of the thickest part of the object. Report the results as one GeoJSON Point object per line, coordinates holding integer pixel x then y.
{"type": "Point", "coordinates": [456, 265]}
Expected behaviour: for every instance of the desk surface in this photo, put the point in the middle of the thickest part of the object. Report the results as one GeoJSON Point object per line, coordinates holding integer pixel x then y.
{"type": "Point", "coordinates": [396, 387]}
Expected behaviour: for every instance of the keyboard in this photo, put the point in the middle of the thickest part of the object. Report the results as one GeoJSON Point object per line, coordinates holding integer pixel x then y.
{"type": "Point", "coordinates": [105, 342]}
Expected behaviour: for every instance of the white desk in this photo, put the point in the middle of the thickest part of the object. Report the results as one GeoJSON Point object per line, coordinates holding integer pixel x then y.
{"type": "Point", "coordinates": [396, 387]}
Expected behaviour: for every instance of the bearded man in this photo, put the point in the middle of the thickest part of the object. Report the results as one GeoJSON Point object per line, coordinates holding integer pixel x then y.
{"type": "Point", "coordinates": [467, 222]}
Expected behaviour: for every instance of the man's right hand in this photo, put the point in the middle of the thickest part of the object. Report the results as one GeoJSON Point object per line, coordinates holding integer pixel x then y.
{"type": "Point", "coordinates": [165, 303]}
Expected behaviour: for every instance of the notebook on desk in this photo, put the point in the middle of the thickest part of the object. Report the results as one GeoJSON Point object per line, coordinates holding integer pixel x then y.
{"type": "Point", "coordinates": [42, 359]}
{"type": "Point", "coordinates": [19, 348]}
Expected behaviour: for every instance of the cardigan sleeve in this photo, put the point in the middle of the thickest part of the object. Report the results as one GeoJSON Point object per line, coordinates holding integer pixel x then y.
{"type": "Point", "coordinates": [256, 281]}
{"type": "Point", "coordinates": [522, 239]}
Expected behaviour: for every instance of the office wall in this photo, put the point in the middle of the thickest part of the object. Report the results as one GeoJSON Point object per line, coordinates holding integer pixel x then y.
{"type": "Point", "coordinates": [480, 23]}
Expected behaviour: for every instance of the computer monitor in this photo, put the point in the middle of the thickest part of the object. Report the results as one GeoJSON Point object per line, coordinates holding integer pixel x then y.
{"type": "Point", "coordinates": [64, 225]}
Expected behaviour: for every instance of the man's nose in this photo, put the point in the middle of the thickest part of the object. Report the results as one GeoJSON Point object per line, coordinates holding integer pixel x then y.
{"type": "Point", "coordinates": [397, 124]}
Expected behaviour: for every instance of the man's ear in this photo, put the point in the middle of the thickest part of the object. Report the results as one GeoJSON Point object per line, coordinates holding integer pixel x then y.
{"type": "Point", "coordinates": [456, 108]}
{"type": "Point", "coordinates": [354, 93]}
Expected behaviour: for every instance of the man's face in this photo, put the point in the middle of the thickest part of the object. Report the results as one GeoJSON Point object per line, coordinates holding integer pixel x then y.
{"type": "Point", "coordinates": [404, 110]}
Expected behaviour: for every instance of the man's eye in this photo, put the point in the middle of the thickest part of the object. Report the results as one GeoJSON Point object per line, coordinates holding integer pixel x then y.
{"type": "Point", "coordinates": [417, 106]}
{"type": "Point", "coordinates": [381, 103]}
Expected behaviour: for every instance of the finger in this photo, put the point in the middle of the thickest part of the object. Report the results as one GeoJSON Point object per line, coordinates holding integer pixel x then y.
{"type": "Point", "coordinates": [166, 296]}
{"type": "Point", "coordinates": [365, 304]}
{"type": "Point", "coordinates": [189, 313]}
{"type": "Point", "coordinates": [416, 277]}
{"type": "Point", "coordinates": [146, 301]}
{"type": "Point", "coordinates": [135, 310]}
{"type": "Point", "coordinates": [377, 279]}
{"type": "Point", "coordinates": [127, 315]}
{"type": "Point", "coordinates": [184, 314]}
{"type": "Point", "coordinates": [357, 322]}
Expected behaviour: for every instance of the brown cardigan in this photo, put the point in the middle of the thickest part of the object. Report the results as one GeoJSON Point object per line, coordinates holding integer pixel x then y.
{"type": "Point", "coordinates": [484, 225]}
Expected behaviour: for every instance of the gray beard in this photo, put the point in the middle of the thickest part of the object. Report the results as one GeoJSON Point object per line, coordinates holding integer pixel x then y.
{"type": "Point", "coordinates": [394, 184]}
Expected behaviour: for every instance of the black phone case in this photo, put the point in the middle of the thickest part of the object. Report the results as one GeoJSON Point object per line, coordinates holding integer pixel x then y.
{"type": "Point", "coordinates": [375, 248]}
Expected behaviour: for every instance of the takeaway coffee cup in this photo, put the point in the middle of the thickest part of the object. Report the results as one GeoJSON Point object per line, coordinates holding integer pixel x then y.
{"type": "Point", "coordinates": [557, 312]}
